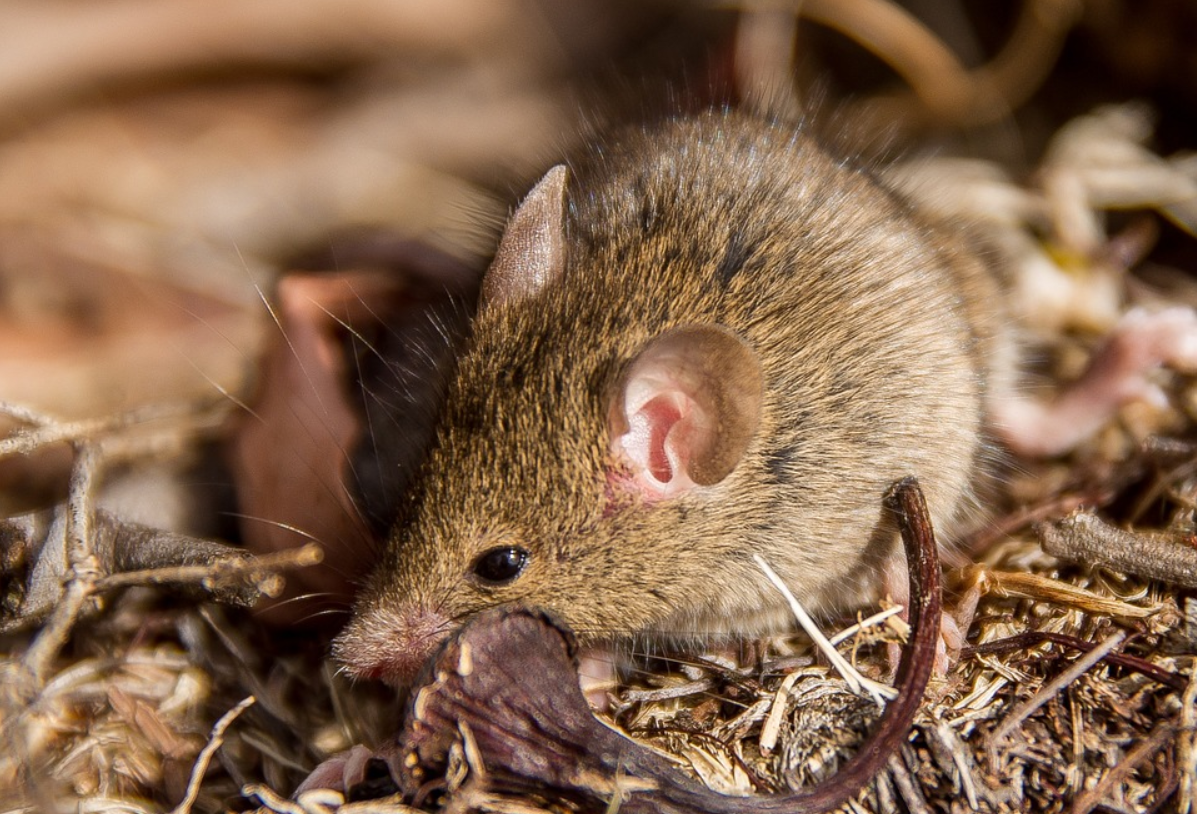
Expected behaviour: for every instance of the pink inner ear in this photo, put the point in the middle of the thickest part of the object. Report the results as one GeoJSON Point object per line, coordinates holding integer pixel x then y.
{"type": "Point", "coordinates": [686, 412]}
{"type": "Point", "coordinates": [656, 443]}
{"type": "Point", "coordinates": [652, 427]}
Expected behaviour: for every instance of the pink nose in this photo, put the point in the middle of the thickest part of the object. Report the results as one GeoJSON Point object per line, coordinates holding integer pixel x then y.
{"type": "Point", "coordinates": [390, 645]}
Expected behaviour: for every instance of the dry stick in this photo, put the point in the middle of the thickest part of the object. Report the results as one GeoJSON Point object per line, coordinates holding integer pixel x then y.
{"type": "Point", "coordinates": [906, 786]}
{"type": "Point", "coordinates": [902, 41]}
{"type": "Point", "coordinates": [82, 572]}
{"type": "Point", "coordinates": [772, 726]}
{"type": "Point", "coordinates": [1028, 56]}
{"type": "Point", "coordinates": [856, 682]}
{"type": "Point", "coordinates": [24, 413]}
{"type": "Point", "coordinates": [1034, 638]}
{"type": "Point", "coordinates": [868, 622]}
{"type": "Point", "coordinates": [1048, 691]}
{"type": "Point", "coordinates": [1025, 585]}
{"type": "Point", "coordinates": [272, 800]}
{"type": "Point", "coordinates": [1091, 798]}
{"type": "Point", "coordinates": [1084, 538]}
{"type": "Point", "coordinates": [387, 806]}
{"type": "Point", "coordinates": [215, 740]}
{"type": "Point", "coordinates": [702, 685]}
{"type": "Point", "coordinates": [47, 430]}
{"type": "Point", "coordinates": [957, 757]}
{"type": "Point", "coordinates": [1054, 506]}
{"type": "Point", "coordinates": [224, 570]}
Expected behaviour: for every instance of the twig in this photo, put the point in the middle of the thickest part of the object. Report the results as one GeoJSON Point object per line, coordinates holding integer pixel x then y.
{"type": "Point", "coordinates": [1025, 585]}
{"type": "Point", "coordinates": [702, 685]}
{"type": "Point", "coordinates": [25, 414]}
{"type": "Point", "coordinates": [1034, 638]}
{"type": "Point", "coordinates": [46, 430]}
{"type": "Point", "coordinates": [271, 800]}
{"type": "Point", "coordinates": [934, 73]}
{"type": "Point", "coordinates": [944, 88]}
{"type": "Point", "coordinates": [1054, 506]}
{"type": "Point", "coordinates": [1048, 691]}
{"type": "Point", "coordinates": [772, 726]}
{"type": "Point", "coordinates": [82, 574]}
{"type": "Point", "coordinates": [381, 806]}
{"type": "Point", "coordinates": [1084, 538]}
{"type": "Point", "coordinates": [858, 683]}
{"type": "Point", "coordinates": [906, 786]}
{"type": "Point", "coordinates": [1089, 799]}
{"type": "Point", "coordinates": [868, 622]}
{"type": "Point", "coordinates": [217, 573]}
{"type": "Point", "coordinates": [215, 741]}
{"type": "Point", "coordinates": [955, 759]}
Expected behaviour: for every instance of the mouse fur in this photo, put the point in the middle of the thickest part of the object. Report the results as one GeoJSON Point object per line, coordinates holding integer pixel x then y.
{"type": "Point", "coordinates": [804, 337]}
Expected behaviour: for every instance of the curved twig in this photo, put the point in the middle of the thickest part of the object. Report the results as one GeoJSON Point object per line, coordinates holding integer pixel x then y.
{"type": "Point", "coordinates": [509, 679]}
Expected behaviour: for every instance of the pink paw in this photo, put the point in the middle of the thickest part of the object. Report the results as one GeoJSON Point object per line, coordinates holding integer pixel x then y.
{"type": "Point", "coordinates": [953, 622]}
{"type": "Point", "coordinates": [1119, 373]}
{"type": "Point", "coordinates": [358, 773]}
{"type": "Point", "coordinates": [596, 675]}
{"type": "Point", "coordinates": [1141, 343]}
{"type": "Point", "coordinates": [947, 649]}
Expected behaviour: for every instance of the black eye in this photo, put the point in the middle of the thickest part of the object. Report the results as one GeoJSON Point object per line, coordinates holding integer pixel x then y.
{"type": "Point", "coordinates": [500, 565]}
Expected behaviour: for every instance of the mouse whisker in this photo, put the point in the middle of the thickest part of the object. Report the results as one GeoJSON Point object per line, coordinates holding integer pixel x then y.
{"type": "Point", "coordinates": [276, 524]}
{"type": "Point", "coordinates": [302, 601]}
{"type": "Point", "coordinates": [320, 614]}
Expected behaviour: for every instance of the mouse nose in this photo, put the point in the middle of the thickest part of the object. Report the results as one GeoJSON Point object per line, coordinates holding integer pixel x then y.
{"type": "Point", "coordinates": [390, 645]}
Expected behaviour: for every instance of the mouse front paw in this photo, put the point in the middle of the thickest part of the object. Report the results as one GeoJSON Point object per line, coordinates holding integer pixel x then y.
{"type": "Point", "coordinates": [1120, 372]}
{"type": "Point", "coordinates": [358, 773]}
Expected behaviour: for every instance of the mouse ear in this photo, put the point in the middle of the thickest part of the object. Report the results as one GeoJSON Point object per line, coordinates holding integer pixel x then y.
{"type": "Point", "coordinates": [532, 250]}
{"type": "Point", "coordinates": [687, 409]}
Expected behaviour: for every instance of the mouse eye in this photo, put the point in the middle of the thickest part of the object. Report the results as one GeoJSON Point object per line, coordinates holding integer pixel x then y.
{"type": "Point", "coordinates": [500, 565]}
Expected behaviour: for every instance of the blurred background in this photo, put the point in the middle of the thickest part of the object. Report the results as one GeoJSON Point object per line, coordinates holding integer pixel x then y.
{"type": "Point", "coordinates": [162, 162]}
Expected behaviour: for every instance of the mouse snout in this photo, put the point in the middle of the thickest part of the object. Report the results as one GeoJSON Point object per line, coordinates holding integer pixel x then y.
{"type": "Point", "coordinates": [390, 645]}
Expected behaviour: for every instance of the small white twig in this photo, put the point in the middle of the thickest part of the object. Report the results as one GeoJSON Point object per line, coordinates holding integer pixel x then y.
{"type": "Point", "coordinates": [25, 413]}
{"type": "Point", "coordinates": [856, 682]}
{"type": "Point", "coordinates": [215, 740]}
{"type": "Point", "coordinates": [82, 572]}
{"type": "Point", "coordinates": [876, 619]}
{"type": "Point", "coordinates": [772, 726]}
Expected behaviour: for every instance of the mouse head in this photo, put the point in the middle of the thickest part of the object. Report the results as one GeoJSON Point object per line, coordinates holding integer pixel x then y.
{"type": "Point", "coordinates": [574, 465]}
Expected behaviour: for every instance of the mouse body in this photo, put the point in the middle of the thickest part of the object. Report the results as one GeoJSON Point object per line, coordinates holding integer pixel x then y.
{"type": "Point", "coordinates": [705, 340]}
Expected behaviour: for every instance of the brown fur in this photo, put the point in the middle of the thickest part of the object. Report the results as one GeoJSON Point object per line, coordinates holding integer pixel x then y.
{"type": "Point", "coordinates": [870, 327]}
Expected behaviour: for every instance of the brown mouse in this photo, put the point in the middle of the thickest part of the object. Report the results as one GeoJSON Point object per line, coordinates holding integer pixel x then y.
{"type": "Point", "coordinates": [707, 340]}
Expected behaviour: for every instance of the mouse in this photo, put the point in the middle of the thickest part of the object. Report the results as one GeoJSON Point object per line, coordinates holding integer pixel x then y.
{"type": "Point", "coordinates": [704, 339]}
